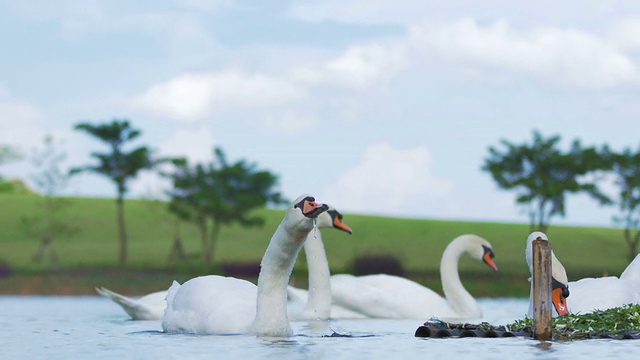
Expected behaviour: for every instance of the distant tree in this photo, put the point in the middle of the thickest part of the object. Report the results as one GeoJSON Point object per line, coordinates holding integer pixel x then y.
{"type": "Point", "coordinates": [626, 169]}
{"type": "Point", "coordinates": [48, 180]}
{"type": "Point", "coordinates": [221, 193]}
{"type": "Point", "coordinates": [118, 165]}
{"type": "Point", "coordinates": [7, 155]}
{"type": "Point", "coordinates": [542, 175]}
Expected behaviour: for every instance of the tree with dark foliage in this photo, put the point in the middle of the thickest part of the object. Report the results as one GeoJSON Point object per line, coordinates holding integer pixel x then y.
{"type": "Point", "coordinates": [119, 165]}
{"type": "Point", "coordinates": [542, 175]}
{"type": "Point", "coordinates": [221, 193]}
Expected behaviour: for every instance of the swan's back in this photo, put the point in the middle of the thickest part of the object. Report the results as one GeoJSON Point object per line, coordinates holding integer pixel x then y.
{"type": "Point", "coordinates": [632, 272]}
{"type": "Point", "coordinates": [377, 296]}
{"type": "Point", "coordinates": [210, 305]}
{"type": "Point", "coordinates": [603, 293]}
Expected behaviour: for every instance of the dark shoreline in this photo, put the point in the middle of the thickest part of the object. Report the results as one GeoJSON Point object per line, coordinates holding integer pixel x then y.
{"type": "Point", "coordinates": [82, 282]}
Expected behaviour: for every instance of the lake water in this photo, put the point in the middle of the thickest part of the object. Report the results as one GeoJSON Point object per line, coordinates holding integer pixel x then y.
{"type": "Point", "coordinates": [95, 328]}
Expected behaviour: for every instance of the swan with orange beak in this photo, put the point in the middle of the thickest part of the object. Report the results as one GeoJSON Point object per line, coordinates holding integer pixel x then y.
{"type": "Point", "coordinates": [559, 281]}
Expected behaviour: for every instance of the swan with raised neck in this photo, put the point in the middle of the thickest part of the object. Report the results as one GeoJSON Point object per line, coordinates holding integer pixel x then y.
{"type": "Point", "coordinates": [276, 266]}
{"type": "Point", "coordinates": [224, 305]}
{"type": "Point", "coordinates": [317, 301]}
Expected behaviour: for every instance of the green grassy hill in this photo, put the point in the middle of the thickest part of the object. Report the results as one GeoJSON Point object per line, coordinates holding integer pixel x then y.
{"type": "Point", "coordinates": [417, 243]}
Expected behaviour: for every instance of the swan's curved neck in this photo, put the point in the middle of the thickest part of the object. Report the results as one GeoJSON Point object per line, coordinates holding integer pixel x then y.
{"type": "Point", "coordinates": [457, 296]}
{"type": "Point", "coordinates": [319, 295]}
{"type": "Point", "coordinates": [275, 271]}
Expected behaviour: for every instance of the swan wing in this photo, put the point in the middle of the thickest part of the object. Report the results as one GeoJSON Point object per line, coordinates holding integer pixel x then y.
{"type": "Point", "coordinates": [589, 294]}
{"type": "Point", "coordinates": [148, 307]}
{"type": "Point", "coordinates": [210, 304]}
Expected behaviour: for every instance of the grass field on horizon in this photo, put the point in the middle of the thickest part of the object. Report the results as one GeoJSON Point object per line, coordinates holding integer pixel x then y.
{"type": "Point", "coordinates": [417, 243]}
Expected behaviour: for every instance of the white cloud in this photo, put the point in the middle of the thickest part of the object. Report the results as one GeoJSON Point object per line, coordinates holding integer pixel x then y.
{"type": "Point", "coordinates": [625, 34]}
{"type": "Point", "coordinates": [411, 12]}
{"type": "Point", "coordinates": [392, 181]}
{"type": "Point", "coordinates": [192, 97]}
{"type": "Point", "coordinates": [360, 11]}
{"type": "Point", "coordinates": [572, 55]}
{"type": "Point", "coordinates": [28, 116]}
{"type": "Point", "coordinates": [208, 6]}
{"type": "Point", "coordinates": [180, 30]}
{"type": "Point", "coordinates": [195, 144]}
{"type": "Point", "coordinates": [565, 56]}
{"type": "Point", "coordinates": [359, 67]}
{"type": "Point", "coordinates": [290, 122]}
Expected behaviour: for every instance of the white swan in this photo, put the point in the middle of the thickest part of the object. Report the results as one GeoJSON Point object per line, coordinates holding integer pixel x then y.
{"type": "Point", "coordinates": [387, 296]}
{"type": "Point", "coordinates": [315, 304]}
{"type": "Point", "coordinates": [560, 284]}
{"type": "Point", "coordinates": [223, 305]}
{"type": "Point", "coordinates": [607, 292]}
{"type": "Point", "coordinates": [318, 306]}
{"type": "Point", "coordinates": [591, 294]}
{"type": "Point", "coordinates": [148, 307]}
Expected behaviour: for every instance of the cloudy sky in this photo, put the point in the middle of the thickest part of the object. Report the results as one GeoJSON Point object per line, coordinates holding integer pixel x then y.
{"type": "Point", "coordinates": [379, 107]}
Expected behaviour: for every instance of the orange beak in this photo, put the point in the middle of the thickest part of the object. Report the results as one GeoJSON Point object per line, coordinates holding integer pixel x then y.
{"type": "Point", "coordinates": [311, 209]}
{"type": "Point", "coordinates": [340, 225]}
{"type": "Point", "coordinates": [489, 260]}
{"type": "Point", "coordinates": [559, 301]}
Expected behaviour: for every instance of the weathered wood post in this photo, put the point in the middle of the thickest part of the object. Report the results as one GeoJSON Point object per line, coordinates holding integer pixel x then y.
{"type": "Point", "coordinates": [541, 289]}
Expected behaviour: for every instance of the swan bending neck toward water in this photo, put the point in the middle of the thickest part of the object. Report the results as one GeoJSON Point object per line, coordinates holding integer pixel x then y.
{"type": "Point", "coordinates": [560, 283]}
{"type": "Point", "coordinates": [387, 296]}
{"type": "Point", "coordinates": [459, 299]}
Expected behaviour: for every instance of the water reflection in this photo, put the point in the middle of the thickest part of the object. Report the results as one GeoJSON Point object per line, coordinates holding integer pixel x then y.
{"type": "Point", "coordinates": [279, 342]}
{"type": "Point", "coordinates": [544, 346]}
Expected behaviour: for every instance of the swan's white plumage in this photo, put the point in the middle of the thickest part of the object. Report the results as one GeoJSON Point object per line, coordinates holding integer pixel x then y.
{"type": "Point", "coordinates": [557, 270]}
{"type": "Point", "coordinates": [388, 296]}
{"type": "Point", "coordinates": [224, 305]}
{"type": "Point", "coordinates": [148, 307]}
{"type": "Point", "coordinates": [152, 306]}
{"type": "Point", "coordinates": [602, 293]}
{"type": "Point", "coordinates": [315, 304]}
{"type": "Point", "coordinates": [632, 272]}
{"type": "Point", "coordinates": [589, 294]}
{"type": "Point", "coordinates": [607, 292]}
{"type": "Point", "coordinates": [210, 304]}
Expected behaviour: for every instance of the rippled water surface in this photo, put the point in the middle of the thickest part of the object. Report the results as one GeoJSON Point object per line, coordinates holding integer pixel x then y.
{"type": "Point", "coordinates": [96, 328]}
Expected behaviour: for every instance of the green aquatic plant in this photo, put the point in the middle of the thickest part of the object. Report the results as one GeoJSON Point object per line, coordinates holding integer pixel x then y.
{"type": "Point", "coordinates": [618, 323]}
{"type": "Point", "coordinates": [596, 324]}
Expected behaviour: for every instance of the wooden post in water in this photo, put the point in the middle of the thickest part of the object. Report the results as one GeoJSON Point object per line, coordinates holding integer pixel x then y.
{"type": "Point", "coordinates": [541, 289]}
